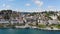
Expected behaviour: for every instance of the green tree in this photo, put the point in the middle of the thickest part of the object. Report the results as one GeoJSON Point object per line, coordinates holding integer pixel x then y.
{"type": "Point", "coordinates": [58, 17]}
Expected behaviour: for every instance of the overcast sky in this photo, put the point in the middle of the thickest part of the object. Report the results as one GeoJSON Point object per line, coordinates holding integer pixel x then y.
{"type": "Point", "coordinates": [30, 5]}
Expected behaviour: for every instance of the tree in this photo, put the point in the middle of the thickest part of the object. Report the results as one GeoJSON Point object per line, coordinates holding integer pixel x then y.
{"type": "Point", "coordinates": [58, 17]}
{"type": "Point", "coordinates": [37, 21]}
{"type": "Point", "coordinates": [6, 16]}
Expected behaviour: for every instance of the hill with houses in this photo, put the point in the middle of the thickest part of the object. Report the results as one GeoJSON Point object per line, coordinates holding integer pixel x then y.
{"type": "Point", "coordinates": [10, 18]}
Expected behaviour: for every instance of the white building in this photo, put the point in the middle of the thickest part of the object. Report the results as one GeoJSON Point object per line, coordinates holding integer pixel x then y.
{"type": "Point", "coordinates": [53, 22]}
{"type": "Point", "coordinates": [58, 13]}
{"type": "Point", "coordinates": [2, 21]}
{"type": "Point", "coordinates": [43, 22]}
{"type": "Point", "coordinates": [53, 17]}
{"type": "Point", "coordinates": [14, 21]}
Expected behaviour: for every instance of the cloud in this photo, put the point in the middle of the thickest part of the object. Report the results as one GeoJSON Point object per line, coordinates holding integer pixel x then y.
{"type": "Point", "coordinates": [33, 10]}
{"type": "Point", "coordinates": [27, 4]}
{"type": "Point", "coordinates": [8, 6]}
{"type": "Point", "coordinates": [10, 0]}
{"type": "Point", "coordinates": [53, 8]}
{"type": "Point", "coordinates": [38, 2]}
{"type": "Point", "coordinates": [5, 6]}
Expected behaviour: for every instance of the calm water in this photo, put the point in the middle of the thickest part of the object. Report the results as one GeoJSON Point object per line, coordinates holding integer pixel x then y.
{"type": "Point", "coordinates": [27, 31]}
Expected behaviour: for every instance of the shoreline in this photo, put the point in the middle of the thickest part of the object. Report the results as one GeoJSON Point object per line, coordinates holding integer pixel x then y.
{"type": "Point", "coordinates": [48, 29]}
{"type": "Point", "coordinates": [29, 27]}
{"type": "Point", "coordinates": [34, 28]}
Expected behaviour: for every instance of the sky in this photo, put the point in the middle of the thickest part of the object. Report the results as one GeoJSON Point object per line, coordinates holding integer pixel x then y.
{"type": "Point", "coordinates": [30, 5]}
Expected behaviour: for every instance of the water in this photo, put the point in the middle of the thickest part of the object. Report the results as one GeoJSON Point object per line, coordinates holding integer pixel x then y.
{"type": "Point", "coordinates": [27, 31]}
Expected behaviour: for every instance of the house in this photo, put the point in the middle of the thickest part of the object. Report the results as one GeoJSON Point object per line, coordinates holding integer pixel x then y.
{"type": "Point", "coordinates": [20, 20]}
{"type": "Point", "coordinates": [53, 22]}
{"type": "Point", "coordinates": [14, 21]}
{"type": "Point", "coordinates": [3, 21]}
{"type": "Point", "coordinates": [30, 19]}
{"type": "Point", "coordinates": [53, 16]}
{"type": "Point", "coordinates": [58, 13]}
{"type": "Point", "coordinates": [43, 22]}
{"type": "Point", "coordinates": [17, 20]}
{"type": "Point", "coordinates": [59, 22]}
{"type": "Point", "coordinates": [39, 18]}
